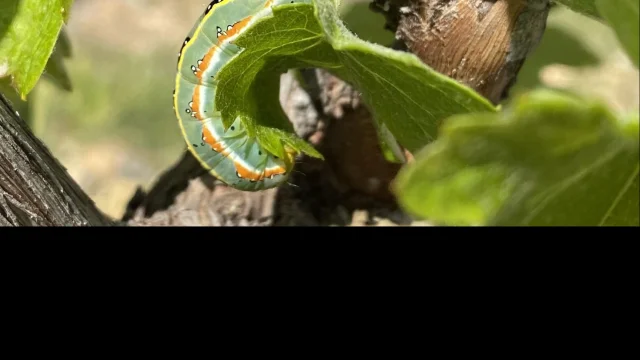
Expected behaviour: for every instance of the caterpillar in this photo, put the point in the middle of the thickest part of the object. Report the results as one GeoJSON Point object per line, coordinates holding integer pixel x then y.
{"type": "Point", "coordinates": [231, 155]}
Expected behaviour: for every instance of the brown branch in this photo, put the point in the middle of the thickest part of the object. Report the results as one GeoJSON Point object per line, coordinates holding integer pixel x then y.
{"type": "Point", "coordinates": [35, 189]}
{"type": "Point", "coordinates": [481, 43]}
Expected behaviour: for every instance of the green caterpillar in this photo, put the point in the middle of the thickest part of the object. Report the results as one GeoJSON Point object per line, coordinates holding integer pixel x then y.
{"type": "Point", "coordinates": [229, 154]}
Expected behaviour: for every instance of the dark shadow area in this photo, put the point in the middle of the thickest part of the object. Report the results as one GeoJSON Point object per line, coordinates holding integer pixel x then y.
{"type": "Point", "coordinates": [7, 12]}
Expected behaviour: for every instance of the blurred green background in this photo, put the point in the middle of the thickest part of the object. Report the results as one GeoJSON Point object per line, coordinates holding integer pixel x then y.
{"type": "Point", "coordinates": [116, 129]}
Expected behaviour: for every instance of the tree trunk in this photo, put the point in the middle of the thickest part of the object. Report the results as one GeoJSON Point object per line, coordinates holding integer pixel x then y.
{"type": "Point", "coordinates": [34, 188]}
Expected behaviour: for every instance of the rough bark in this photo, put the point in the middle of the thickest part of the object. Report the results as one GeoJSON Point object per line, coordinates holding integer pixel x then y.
{"type": "Point", "coordinates": [481, 43]}
{"type": "Point", "coordinates": [35, 189]}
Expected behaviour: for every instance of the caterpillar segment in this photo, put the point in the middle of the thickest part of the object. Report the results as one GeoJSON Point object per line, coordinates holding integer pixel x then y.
{"type": "Point", "coordinates": [229, 154]}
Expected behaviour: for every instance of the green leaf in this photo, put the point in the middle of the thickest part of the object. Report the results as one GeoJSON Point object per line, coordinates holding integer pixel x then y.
{"type": "Point", "coordinates": [404, 94]}
{"type": "Point", "coordinates": [623, 16]}
{"type": "Point", "coordinates": [585, 7]}
{"type": "Point", "coordinates": [551, 159]}
{"type": "Point", "coordinates": [28, 32]}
